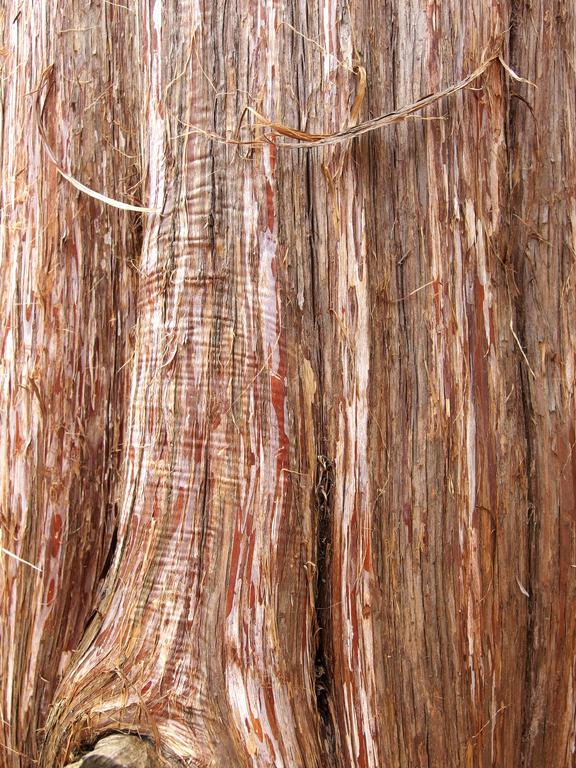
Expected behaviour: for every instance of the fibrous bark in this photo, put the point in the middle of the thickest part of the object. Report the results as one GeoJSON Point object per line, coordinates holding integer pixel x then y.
{"type": "Point", "coordinates": [204, 638]}
{"type": "Point", "coordinates": [67, 296]}
{"type": "Point", "coordinates": [290, 461]}
{"type": "Point", "coordinates": [120, 750]}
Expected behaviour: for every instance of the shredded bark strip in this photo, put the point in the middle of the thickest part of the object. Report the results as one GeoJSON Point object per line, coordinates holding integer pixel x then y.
{"type": "Point", "coordinates": [301, 139]}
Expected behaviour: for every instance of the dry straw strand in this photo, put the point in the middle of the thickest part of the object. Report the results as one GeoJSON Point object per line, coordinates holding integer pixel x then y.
{"type": "Point", "coordinates": [352, 132]}
{"type": "Point", "coordinates": [19, 559]}
{"type": "Point", "coordinates": [298, 139]}
{"type": "Point", "coordinates": [47, 79]}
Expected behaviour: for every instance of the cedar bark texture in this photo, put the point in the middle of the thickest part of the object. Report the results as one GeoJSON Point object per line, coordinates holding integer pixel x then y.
{"type": "Point", "coordinates": [288, 465]}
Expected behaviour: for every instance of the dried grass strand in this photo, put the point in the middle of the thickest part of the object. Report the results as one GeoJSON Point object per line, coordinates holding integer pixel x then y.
{"type": "Point", "coordinates": [19, 559]}
{"type": "Point", "coordinates": [306, 140]}
{"type": "Point", "coordinates": [47, 79]}
{"type": "Point", "coordinates": [513, 74]}
{"type": "Point", "coordinates": [298, 139]}
{"type": "Point", "coordinates": [360, 93]}
{"type": "Point", "coordinates": [352, 132]}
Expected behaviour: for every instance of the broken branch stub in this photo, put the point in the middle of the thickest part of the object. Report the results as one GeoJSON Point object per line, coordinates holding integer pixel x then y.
{"type": "Point", "coordinates": [119, 751]}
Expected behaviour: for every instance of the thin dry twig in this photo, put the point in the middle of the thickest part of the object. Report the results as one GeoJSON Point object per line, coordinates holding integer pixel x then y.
{"type": "Point", "coordinates": [412, 293]}
{"type": "Point", "coordinates": [487, 723]}
{"type": "Point", "coordinates": [522, 350]}
{"type": "Point", "coordinates": [513, 74]}
{"type": "Point", "coordinates": [318, 45]}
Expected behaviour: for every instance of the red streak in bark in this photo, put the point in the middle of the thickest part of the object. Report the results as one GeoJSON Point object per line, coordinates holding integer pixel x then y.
{"type": "Point", "coordinates": [18, 442]}
{"type": "Point", "coordinates": [437, 287]}
{"type": "Point", "coordinates": [270, 205]}
{"type": "Point", "coordinates": [56, 535]}
{"type": "Point", "coordinates": [233, 571]}
{"type": "Point", "coordinates": [257, 727]}
{"type": "Point", "coordinates": [407, 515]}
{"type": "Point", "coordinates": [368, 557]}
{"type": "Point", "coordinates": [250, 558]}
{"type": "Point", "coordinates": [362, 757]}
{"type": "Point", "coordinates": [271, 710]}
{"type": "Point", "coordinates": [278, 401]}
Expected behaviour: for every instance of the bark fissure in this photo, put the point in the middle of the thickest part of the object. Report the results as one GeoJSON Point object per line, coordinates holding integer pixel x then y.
{"type": "Point", "coordinates": [518, 299]}
{"type": "Point", "coordinates": [110, 554]}
{"type": "Point", "coordinates": [322, 599]}
{"type": "Point", "coordinates": [542, 223]}
{"type": "Point", "coordinates": [531, 554]}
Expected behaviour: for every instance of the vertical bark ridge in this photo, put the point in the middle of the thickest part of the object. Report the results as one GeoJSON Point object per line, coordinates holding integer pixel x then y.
{"type": "Point", "coordinates": [298, 239]}
{"type": "Point", "coordinates": [66, 303]}
{"type": "Point", "coordinates": [542, 242]}
{"type": "Point", "coordinates": [451, 407]}
{"type": "Point", "coordinates": [341, 290]}
{"type": "Point", "coordinates": [205, 642]}
{"type": "Point", "coordinates": [444, 400]}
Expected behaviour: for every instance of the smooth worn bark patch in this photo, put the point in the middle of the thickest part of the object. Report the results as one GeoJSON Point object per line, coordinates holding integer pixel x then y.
{"type": "Point", "coordinates": [119, 751]}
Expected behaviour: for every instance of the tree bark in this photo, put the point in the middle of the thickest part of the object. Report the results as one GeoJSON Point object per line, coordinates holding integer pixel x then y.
{"type": "Point", "coordinates": [67, 298]}
{"type": "Point", "coordinates": [288, 463]}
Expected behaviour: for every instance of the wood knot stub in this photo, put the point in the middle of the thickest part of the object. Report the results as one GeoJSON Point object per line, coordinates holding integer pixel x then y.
{"type": "Point", "coordinates": [324, 483]}
{"type": "Point", "coordinates": [119, 750]}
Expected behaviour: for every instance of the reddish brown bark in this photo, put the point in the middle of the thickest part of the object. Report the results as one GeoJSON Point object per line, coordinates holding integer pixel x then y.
{"type": "Point", "coordinates": [294, 455]}
{"type": "Point", "coordinates": [67, 297]}
{"type": "Point", "coordinates": [543, 244]}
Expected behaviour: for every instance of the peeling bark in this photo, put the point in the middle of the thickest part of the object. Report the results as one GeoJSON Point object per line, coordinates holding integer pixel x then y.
{"type": "Point", "coordinates": [543, 241]}
{"type": "Point", "coordinates": [208, 524]}
{"type": "Point", "coordinates": [66, 292]}
{"type": "Point", "coordinates": [289, 475]}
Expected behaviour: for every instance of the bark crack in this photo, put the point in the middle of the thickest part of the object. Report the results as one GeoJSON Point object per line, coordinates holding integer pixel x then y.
{"type": "Point", "coordinates": [527, 406]}
{"type": "Point", "coordinates": [324, 483]}
{"type": "Point", "coordinates": [322, 663]}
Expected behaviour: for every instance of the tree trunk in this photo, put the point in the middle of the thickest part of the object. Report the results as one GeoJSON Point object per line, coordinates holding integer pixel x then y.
{"type": "Point", "coordinates": [289, 474]}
